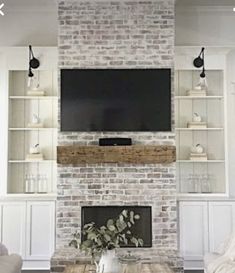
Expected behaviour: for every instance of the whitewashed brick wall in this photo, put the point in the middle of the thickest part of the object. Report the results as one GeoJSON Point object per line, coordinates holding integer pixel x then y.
{"type": "Point", "coordinates": [116, 34]}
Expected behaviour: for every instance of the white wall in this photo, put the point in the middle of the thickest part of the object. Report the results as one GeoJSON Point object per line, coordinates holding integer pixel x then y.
{"type": "Point", "coordinates": [36, 23]}
{"type": "Point", "coordinates": [212, 26]}
{"type": "Point", "coordinates": [28, 24]}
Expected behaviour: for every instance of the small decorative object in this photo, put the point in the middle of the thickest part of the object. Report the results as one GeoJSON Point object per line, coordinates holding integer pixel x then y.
{"type": "Point", "coordinates": [196, 93]}
{"type": "Point", "coordinates": [35, 119]}
{"type": "Point", "coordinates": [34, 88]}
{"type": "Point", "coordinates": [36, 122]}
{"type": "Point", "coordinates": [36, 93]}
{"type": "Point", "coordinates": [197, 117]}
{"type": "Point", "coordinates": [35, 149]}
{"type": "Point", "coordinates": [109, 262]}
{"type": "Point", "coordinates": [197, 153]}
{"type": "Point", "coordinates": [198, 149]}
{"type": "Point", "coordinates": [197, 122]}
{"type": "Point", "coordinates": [130, 263]}
{"type": "Point", "coordinates": [201, 87]}
{"type": "Point", "coordinates": [34, 153]}
{"type": "Point", "coordinates": [105, 239]}
{"type": "Point", "coordinates": [197, 125]}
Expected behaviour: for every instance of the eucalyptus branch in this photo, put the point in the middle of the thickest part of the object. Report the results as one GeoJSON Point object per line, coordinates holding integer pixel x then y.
{"type": "Point", "coordinates": [116, 232]}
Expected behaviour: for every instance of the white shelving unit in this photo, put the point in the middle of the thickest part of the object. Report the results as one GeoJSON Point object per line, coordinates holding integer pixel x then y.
{"type": "Point", "coordinates": [212, 110]}
{"type": "Point", "coordinates": [21, 137]}
{"type": "Point", "coordinates": [21, 213]}
{"type": "Point", "coordinates": [209, 215]}
{"type": "Point", "coordinates": [198, 97]}
{"type": "Point", "coordinates": [33, 97]}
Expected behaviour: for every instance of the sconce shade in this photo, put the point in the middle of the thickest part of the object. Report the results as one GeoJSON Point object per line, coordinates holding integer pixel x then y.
{"type": "Point", "coordinates": [203, 75]}
{"type": "Point", "coordinates": [30, 74]}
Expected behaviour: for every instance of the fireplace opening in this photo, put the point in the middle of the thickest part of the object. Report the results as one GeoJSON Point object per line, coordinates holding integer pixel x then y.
{"type": "Point", "coordinates": [101, 214]}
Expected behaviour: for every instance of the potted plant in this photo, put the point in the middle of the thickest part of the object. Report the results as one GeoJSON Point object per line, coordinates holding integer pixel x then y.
{"type": "Point", "coordinates": [102, 241]}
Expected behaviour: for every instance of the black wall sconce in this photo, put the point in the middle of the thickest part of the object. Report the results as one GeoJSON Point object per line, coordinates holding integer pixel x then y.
{"type": "Point", "coordinates": [33, 64]}
{"type": "Point", "coordinates": [200, 62]}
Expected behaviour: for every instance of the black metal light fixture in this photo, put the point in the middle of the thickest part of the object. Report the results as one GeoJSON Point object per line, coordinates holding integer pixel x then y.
{"type": "Point", "coordinates": [198, 63]}
{"type": "Point", "coordinates": [33, 64]}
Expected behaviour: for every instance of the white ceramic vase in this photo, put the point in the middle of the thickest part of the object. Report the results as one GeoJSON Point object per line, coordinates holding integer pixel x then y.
{"type": "Point", "coordinates": [109, 262]}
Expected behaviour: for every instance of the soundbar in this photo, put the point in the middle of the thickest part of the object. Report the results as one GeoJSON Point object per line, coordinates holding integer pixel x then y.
{"type": "Point", "coordinates": [115, 141]}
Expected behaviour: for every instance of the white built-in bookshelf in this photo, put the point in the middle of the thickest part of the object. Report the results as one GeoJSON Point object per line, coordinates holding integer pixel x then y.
{"type": "Point", "coordinates": [191, 174]}
{"type": "Point", "coordinates": [21, 136]}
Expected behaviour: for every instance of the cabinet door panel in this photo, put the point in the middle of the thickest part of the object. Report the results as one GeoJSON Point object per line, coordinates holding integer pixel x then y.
{"type": "Point", "coordinates": [221, 223]}
{"type": "Point", "coordinates": [40, 230]}
{"type": "Point", "coordinates": [193, 230]}
{"type": "Point", "coordinates": [13, 227]}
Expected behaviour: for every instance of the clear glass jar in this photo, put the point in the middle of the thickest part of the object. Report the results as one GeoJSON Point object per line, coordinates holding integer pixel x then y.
{"type": "Point", "coordinates": [191, 183]}
{"type": "Point", "coordinates": [29, 183]}
{"type": "Point", "coordinates": [42, 184]}
{"type": "Point", "coordinates": [130, 263]}
{"type": "Point", "coordinates": [205, 183]}
{"type": "Point", "coordinates": [198, 187]}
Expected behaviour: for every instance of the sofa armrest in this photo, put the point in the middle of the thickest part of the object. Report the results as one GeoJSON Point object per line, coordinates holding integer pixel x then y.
{"type": "Point", "coordinates": [3, 250]}
{"type": "Point", "coordinates": [10, 263]}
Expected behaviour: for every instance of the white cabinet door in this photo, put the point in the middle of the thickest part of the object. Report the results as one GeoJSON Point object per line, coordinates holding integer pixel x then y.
{"type": "Point", "coordinates": [193, 230]}
{"type": "Point", "coordinates": [13, 227]}
{"type": "Point", "coordinates": [40, 230]}
{"type": "Point", "coordinates": [221, 223]}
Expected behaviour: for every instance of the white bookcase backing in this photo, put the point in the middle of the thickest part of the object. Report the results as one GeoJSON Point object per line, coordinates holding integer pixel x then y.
{"type": "Point", "coordinates": [21, 136]}
{"type": "Point", "coordinates": [211, 109]}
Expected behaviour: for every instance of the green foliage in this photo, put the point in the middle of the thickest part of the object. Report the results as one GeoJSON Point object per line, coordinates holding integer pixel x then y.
{"type": "Point", "coordinates": [115, 233]}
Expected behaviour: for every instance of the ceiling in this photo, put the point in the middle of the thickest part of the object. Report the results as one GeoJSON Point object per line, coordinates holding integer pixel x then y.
{"type": "Point", "coordinates": [30, 5]}
{"type": "Point", "coordinates": [50, 5]}
{"type": "Point", "coordinates": [213, 3]}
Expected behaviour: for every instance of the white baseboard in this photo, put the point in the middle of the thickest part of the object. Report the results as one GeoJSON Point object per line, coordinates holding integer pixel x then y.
{"type": "Point", "coordinates": [36, 265]}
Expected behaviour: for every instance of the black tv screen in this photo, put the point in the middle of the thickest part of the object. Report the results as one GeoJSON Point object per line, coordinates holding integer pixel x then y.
{"type": "Point", "coordinates": [101, 214]}
{"type": "Point", "coordinates": [115, 100]}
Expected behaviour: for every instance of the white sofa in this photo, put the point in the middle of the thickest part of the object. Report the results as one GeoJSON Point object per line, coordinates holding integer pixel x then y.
{"type": "Point", "coordinates": [222, 261]}
{"type": "Point", "coordinates": [9, 263]}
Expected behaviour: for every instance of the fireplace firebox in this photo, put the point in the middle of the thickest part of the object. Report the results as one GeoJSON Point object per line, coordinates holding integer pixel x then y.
{"type": "Point", "coordinates": [100, 215]}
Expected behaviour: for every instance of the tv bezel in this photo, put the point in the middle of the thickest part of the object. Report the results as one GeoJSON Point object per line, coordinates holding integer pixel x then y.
{"type": "Point", "coordinates": [118, 130]}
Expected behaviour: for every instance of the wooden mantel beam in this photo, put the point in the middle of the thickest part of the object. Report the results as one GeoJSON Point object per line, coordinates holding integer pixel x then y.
{"type": "Point", "coordinates": [135, 154]}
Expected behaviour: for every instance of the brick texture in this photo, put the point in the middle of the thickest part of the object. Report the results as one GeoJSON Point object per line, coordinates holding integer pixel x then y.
{"type": "Point", "coordinates": [117, 34]}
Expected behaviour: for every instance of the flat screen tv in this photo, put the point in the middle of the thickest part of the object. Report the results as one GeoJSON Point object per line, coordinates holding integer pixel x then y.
{"type": "Point", "coordinates": [115, 100]}
{"type": "Point", "coordinates": [101, 214]}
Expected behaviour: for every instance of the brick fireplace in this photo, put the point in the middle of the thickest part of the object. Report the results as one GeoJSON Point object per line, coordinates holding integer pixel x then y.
{"type": "Point", "coordinates": [117, 34]}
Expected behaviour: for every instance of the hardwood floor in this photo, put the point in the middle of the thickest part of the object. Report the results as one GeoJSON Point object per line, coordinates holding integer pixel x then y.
{"type": "Point", "coordinates": [40, 271]}
{"type": "Point", "coordinates": [187, 271]}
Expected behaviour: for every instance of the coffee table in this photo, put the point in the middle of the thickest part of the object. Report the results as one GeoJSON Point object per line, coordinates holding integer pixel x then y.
{"type": "Point", "coordinates": [145, 268]}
